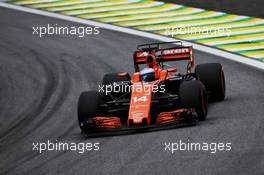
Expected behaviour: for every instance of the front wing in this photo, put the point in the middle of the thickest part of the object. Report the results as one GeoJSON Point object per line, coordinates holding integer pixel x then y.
{"type": "Point", "coordinates": [165, 120]}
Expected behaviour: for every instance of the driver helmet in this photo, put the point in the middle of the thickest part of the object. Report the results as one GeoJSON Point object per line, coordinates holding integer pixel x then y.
{"type": "Point", "coordinates": [147, 74]}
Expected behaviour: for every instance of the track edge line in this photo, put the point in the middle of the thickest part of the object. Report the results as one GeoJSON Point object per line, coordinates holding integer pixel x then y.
{"type": "Point", "coordinates": [207, 49]}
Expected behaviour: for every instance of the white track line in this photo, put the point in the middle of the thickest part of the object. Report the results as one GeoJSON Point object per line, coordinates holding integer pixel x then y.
{"type": "Point", "coordinates": [213, 51]}
{"type": "Point", "coordinates": [83, 5]}
{"type": "Point", "coordinates": [64, 3]}
{"type": "Point", "coordinates": [35, 2]}
{"type": "Point", "coordinates": [232, 41]}
{"type": "Point", "coordinates": [169, 19]}
{"type": "Point", "coordinates": [234, 49]}
{"type": "Point", "coordinates": [80, 11]}
{"type": "Point", "coordinates": [150, 16]}
{"type": "Point", "coordinates": [134, 12]}
{"type": "Point", "coordinates": [214, 34]}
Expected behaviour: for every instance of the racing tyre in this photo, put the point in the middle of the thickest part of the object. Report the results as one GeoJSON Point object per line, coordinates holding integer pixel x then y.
{"type": "Point", "coordinates": [88, 107]}
{"type": "Point", "coordinates": [212, 76]}
{"type": "Point", "coordinates": [193, 95]}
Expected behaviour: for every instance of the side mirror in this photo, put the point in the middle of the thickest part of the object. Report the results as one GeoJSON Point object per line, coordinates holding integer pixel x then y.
{"type": "Point", "coordinates": [122, 74]}
{"type": "Point", "coordinates": [172, 69]}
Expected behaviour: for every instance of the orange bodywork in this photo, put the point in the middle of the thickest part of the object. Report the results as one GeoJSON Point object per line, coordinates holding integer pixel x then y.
{"type": "Point", "coordinates": [107, 122]}
{"type": "Point", "coordinates": [169, 117]}
{"type": "Point", "coordinates": [140, 103]}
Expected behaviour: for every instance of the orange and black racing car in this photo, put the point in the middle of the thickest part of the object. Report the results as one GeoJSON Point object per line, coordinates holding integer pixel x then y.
{"type": "Point", "coordinates": [156, 96]}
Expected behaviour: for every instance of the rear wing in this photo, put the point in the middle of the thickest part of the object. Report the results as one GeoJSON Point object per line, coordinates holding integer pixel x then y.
{"type": "Point", "coordinates": [175, 53]}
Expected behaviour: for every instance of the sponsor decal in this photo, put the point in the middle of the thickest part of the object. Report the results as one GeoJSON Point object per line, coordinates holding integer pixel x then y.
{"type": "Point", "coordinates": [175, 51]}
{"type": "Point", "coordinates": [142, 54]}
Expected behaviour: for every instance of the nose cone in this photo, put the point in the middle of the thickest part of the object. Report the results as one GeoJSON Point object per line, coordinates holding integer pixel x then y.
{"type": "Point", "coordinates": [139, 111]}
{"type": "Point", "coordinates": [139, 119]}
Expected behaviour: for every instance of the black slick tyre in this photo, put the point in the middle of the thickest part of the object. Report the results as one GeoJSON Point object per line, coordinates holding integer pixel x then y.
{"type": "Point", "coordinates": [88, 107]}
{"type": "Point", "coordinates": [212, 76]}
{"type": "Point", "coordinates": [193, 95]}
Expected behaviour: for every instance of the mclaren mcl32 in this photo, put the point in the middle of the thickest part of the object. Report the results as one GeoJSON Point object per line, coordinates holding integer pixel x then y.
{"type": "Point", "coordinates": [156, 95]}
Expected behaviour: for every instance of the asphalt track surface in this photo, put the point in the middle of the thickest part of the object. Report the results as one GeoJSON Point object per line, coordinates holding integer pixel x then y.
{"type": "Point", "coordinates": [41, 79]}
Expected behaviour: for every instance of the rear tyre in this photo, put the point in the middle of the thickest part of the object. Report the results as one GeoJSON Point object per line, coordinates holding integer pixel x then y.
{"type": "Point", "coordinates": [212, 76]}
{"type": "Point", "coordinates": [88, 107]}
{"type": "Point", "coordinates": [193, 95]}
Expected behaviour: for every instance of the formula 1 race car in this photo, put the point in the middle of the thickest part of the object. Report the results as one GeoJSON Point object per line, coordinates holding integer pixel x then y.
{"type": "Point", "coordinates": [156, 96]}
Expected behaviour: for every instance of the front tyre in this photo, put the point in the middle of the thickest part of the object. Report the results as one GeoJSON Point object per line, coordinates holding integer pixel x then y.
{"type": "Point", "coordinates": [193, 95]}
{"type": "Point", "coordinates": [88, 107]}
